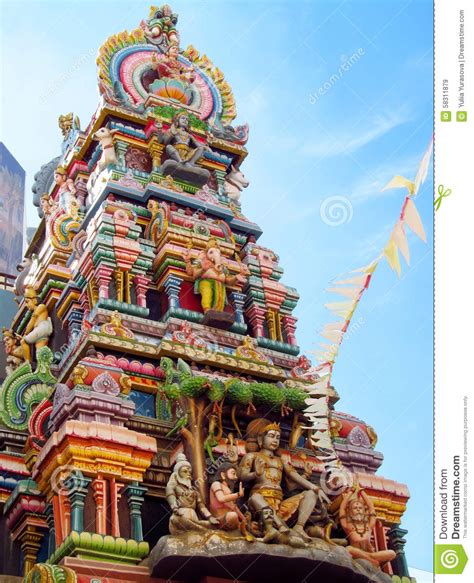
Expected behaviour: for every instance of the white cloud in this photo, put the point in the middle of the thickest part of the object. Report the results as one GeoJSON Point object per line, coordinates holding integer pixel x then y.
{"type": "Point", "coordinates": [346, 141]}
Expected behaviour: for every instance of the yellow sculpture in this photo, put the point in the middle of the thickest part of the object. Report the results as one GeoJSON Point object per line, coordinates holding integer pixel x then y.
{"type": "Point", "coordinates": [211, 276]}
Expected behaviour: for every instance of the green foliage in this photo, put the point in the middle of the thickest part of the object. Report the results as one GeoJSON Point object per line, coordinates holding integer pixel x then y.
{"type": "Point", "coordinates": [167, 112]}
{"type": "Point", "coordinates": [172, 392]}
{"type": "Point", "coordinates": [238, 393]}
{"type": "Point", "coordinates": [267, 394]}
{"type": "Point", "coordinates": [295, 398]}
{"type": "Point", "coordinates": [217, 391]}
{"type": "Point", "coordinates": [194, 387]}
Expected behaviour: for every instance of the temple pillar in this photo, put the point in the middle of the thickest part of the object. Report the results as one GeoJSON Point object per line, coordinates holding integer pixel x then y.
{"type": "Point", "coordinates": [99, 487]}
{"type": "Point", "coordinates": [381, 543]}
{"type": "Point", "coordinates": [237, 300]}
{"type": "Point", "coordinates": [220, 177]}
{"type": "Point", "coordinates": [135, 497]}
{"type": "Point", "coordinates": [156, 151]}
{"type": "Point", "coordinates": [289, 325]}
{"type": "Point", "coordinates": [121, 148]}
{"type": "Point", "coordinates": [397, 541]}
{"type": "Point", "coordinates": [103, 275]}
{"type": "Point", "coordinates": [52, 534]}
{"type": "Point", "coordinates": [75, 318]}
{"type": "Point", "coordinates": [256, 316]}
{"type": "Point", "coordinates": [142, 284]}
{"type": "Point", "coordinates": [77, 485]}
{"type": "Point", "coordinates": [115, 495]}
{"type": "Point", "coordinates": [172, 287]}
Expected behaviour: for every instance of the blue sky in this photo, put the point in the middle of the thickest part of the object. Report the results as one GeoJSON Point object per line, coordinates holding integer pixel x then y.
{"type": "Point", "coordinates": [374, 121]}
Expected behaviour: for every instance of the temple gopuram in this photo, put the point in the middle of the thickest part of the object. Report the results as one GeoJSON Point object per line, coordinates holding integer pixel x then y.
{"type": "Point", "coordinates": [157, 420]}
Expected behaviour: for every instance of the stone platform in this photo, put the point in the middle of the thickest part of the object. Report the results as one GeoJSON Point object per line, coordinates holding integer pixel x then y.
{"type": "Point", "coordinates": [191, 557]}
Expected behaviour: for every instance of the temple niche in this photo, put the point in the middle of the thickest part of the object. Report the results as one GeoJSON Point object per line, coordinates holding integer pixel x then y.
{"type": "Point", "coordinates": [153, 421]}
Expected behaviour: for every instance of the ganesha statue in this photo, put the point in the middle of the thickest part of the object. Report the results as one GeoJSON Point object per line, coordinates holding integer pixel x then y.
{"type": "Point", "coordinates": [211, 274]}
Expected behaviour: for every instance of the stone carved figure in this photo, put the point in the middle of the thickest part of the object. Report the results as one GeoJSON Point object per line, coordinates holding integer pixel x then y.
{"type": "Point", "coordinates": [223, 499]}
{"type": "Point", "coordinates": [263, 471]}
{"type": "Point", "coordinates": [188, 508]}
{"type": "Point", "coordinates": [66, 192]}
{"type": "Point", "coordinates": [15, 353]}
{"type": "Point", "coordinates": [234, 183]}
{"type": "Point", "coordinates": [39, 327]}
{"type": "Point", "coordinates": [184, 152]}
{"type": "Point", "coordinates": [357, 517]}
{"type": "Point", "coordinates": [211, 275]}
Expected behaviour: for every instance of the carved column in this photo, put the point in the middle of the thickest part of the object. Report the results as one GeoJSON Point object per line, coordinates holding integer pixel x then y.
{"type": "Point", "coordinates": [397, 541]}
{"type": "Point", "coordinates": [256, 316]}
{"type": "Point", "coordinates": [135, 496]}
{"type": "Point", "coordinates": [156, 151]}
{"type": "Point", "coordinates": [52, 534]}
{"type": "Point", "coordinates": [172, 287]}
{"type": "Point", "coordinates": [141, 287]}
{"type": "Point", "coordinates": [103, 275]}
{"type": "Point", "coordinates": [237, 300]}
{"type": "Point", "coordinates": [99, 487]}
{"type": "Point", "coordinates": [75, 318]}
{"type": "Point", "coordinates": [121, 148]}
{"type": "Point", "coordinates": [220, 176]}
{"type": "Point", "coordinates": [115, 496]}
{"type": "Point", "coordinates": [77, 486]}
{"type": "Point", "coordinates": [30, 539]}
{"type": "Point", "coordinates": [289, 325]}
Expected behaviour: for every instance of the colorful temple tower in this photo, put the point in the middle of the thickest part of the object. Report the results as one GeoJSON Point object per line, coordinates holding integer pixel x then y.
{"type": "Point", "coordinates": [153, 419]}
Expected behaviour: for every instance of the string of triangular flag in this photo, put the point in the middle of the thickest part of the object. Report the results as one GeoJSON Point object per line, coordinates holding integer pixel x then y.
{"type": "Point", "coordinates": [352, 287]}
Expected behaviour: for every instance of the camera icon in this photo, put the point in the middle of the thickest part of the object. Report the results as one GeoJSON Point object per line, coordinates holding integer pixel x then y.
{"type": "Point", "coordinates": [461, 116]}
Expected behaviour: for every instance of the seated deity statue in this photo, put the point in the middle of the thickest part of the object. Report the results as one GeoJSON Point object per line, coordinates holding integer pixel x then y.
{"type": "Point", "coordinates": [189, 511]}
{"type": "Point", "coordinates": [357, 516]}
{"type": "Point", "coordinates": [263, 471]}
{"type": "Point", "coordinates": [39, 327]}
{"type": "Point", "coordinates": [181, 145]}
{"type": "Point", "coordinates": [211, 274]}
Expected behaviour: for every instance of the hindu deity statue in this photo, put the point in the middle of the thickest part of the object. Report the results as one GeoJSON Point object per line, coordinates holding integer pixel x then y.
{"type": "Point", "coordinates": [263, 471]}
{"type": "Point", "coordinates": [189, 511]}
{"type": "Point", "coordinates": [67, 192]}
{"type": "Point", "coordinates": [357, 516]}
{"type": "Point", "coordinates": [184, 152]}
{"type": "Point", "coordinates": [182, 146]}
{"type": "Point", "coordinates": [170, 67]}
{"type": "Point", "coordinates": [211, 275]}
{"type": "Point", "coordinates": [15, 353]}
{"type": "Point", "coordinates": [223, 499]}
{"type": "Point", "coordinates": [39, 327]}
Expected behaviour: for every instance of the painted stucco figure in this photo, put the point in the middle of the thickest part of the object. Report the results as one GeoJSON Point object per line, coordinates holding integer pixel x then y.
{"type": "Point", "coordinates": [188, 508]}
{"type": "Point", "coordinates": [357, 516]}
{"type": "Point", "coordinates": [223, 499]}
{"type": "Point", "coordinates": [263, 471]}
{"type": "Point", "coordinates": [67, 191]}
{"type": "Point", "coordinates": [39, 327]}
{"type": "Point", "coordinates": [14, 352]}
{"type": "Point", "coordinates": [211, 276]}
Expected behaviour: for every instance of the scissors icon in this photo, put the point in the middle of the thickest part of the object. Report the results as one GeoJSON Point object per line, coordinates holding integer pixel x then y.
{"type": "Point", "coordinates": [442, 194]}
